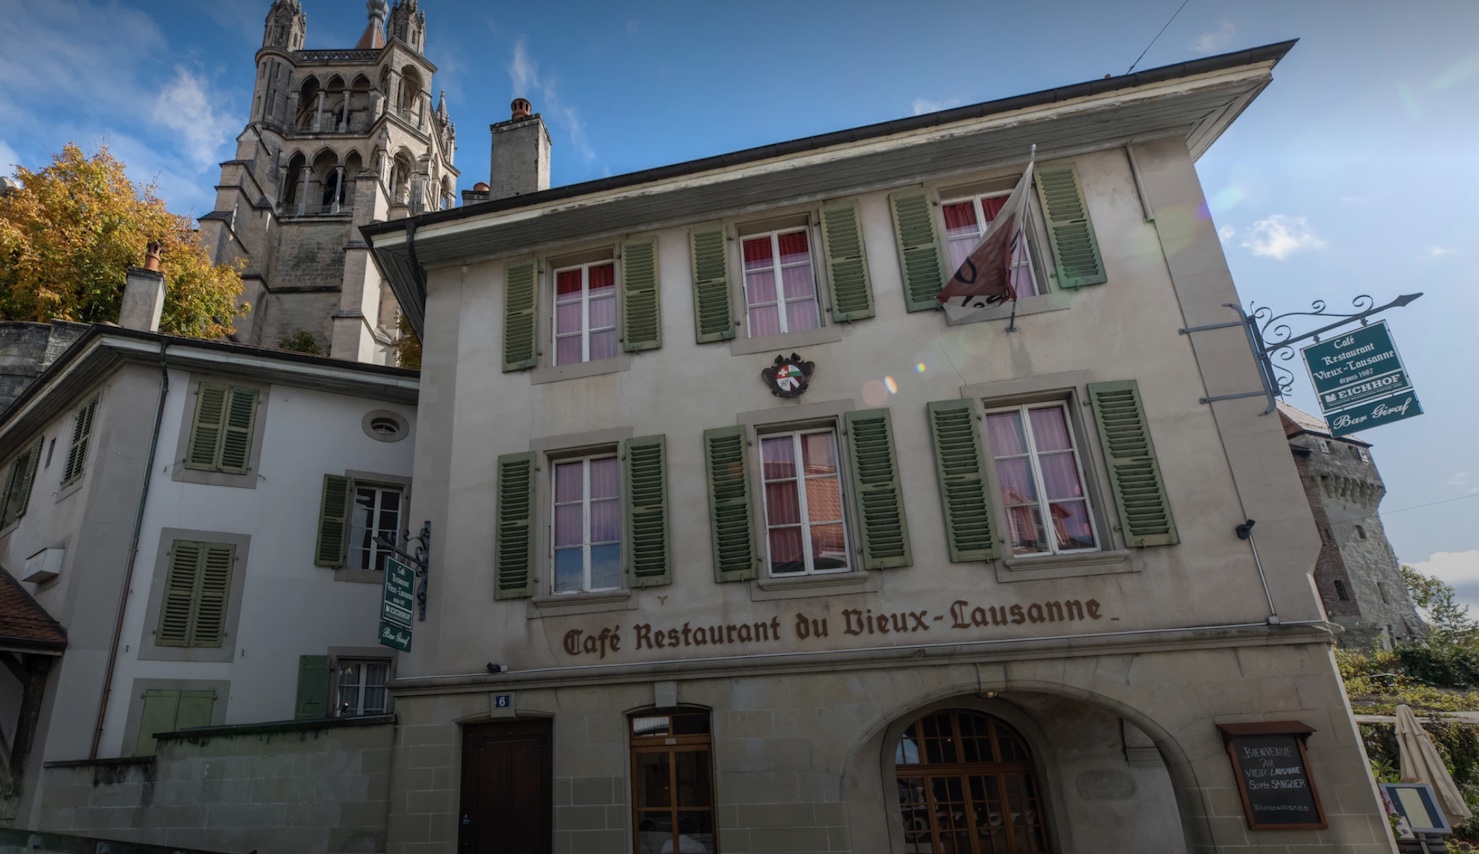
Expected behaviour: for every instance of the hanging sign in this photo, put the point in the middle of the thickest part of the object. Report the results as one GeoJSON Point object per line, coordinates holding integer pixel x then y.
{"type": "Point", "coordinates": [1273, 776]}
{"type": "Point", "coordinates": [1355, 368]}
{"type": "Point", "coordinates": [397, 598]}
{"type": "Point", "coordinates": [1374, 414]}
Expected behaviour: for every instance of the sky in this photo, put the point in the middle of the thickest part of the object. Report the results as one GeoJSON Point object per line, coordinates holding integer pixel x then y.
{"type": "Point", "coordinates": [1355, 172]}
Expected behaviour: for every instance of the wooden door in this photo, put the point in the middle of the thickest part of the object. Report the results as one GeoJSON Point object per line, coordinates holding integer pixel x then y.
{"type": "Point", "coordinates": [507, 788]}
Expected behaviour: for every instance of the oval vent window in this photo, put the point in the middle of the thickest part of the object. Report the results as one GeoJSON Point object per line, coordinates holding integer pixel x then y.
{"type": "Point", "coordinates": [385, 426]}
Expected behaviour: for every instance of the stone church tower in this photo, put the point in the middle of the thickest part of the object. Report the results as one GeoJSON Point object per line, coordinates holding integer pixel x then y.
{"type": "Point", "coordinates": [336, 139]}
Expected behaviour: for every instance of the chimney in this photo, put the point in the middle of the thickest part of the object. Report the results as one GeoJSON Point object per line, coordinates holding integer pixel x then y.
{"type": "Point", "coordinates": [520, 161]}
{"type": "Point", "coordinates": [143, 295]}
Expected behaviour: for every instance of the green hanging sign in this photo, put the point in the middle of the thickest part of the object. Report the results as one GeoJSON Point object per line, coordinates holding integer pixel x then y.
{"type": "Point", "coordinates": [1374, 414]}
{"type": "Point", "coordinates": [1355, 368]}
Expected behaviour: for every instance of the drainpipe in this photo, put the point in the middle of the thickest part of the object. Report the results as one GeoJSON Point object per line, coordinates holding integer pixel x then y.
{"type": "Point", "coordinates": [133, 553]}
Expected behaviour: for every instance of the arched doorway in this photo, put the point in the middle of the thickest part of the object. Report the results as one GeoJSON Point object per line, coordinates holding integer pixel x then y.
{"type": "Point", "coordinates": [967, 785]}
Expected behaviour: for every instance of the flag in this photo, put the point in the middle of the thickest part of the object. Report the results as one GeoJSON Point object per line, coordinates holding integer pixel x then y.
{"type": "Point", "coordinates": [985, 277]}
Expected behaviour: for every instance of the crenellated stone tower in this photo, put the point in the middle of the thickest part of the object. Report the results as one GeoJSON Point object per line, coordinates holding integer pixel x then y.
{"type": "Point", "coordinates": [336, 139]}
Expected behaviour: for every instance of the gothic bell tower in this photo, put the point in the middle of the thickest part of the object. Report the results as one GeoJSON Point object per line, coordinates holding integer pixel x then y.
{"type": "Point", "coordinates": [337, 139]}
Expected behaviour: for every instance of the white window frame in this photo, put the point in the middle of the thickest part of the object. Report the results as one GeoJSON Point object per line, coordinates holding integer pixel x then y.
{"type": "Point", "coordinates": [777, 269]}
{"type": "Point", "coordinates": [359, 686]}
{"type": "Point", "coordinates": [585, 516]}
{"type": "Point", "coordinates": [1043, 504]}
{"type": "Point", "coordinates": [585, 311]}
{"type": "Point", "coordinates": [1324, 445]}
{"type": "Point", "coordinates": [795, 434]}
{"type": "Point", "coordinates": [358, 554]}
{"type": "Point", "coordinates": [975, 200]}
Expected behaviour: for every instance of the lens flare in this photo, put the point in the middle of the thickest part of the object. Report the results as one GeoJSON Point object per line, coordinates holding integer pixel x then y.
{"type": "Point", "coordinates": [919, 367]}
{"type": "Point", "coordinates": [888, 383]}
{"type": "Point", "coordinates": [874, 394]}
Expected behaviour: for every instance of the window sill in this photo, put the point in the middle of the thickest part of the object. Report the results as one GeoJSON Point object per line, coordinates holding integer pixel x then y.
{"type": "Point", "coordinates": [181, 474]}
{"type": "Point", "coordinates": [857, 581]}
{"type": "Point", "coordinates": [1064, 566]}
{"type": "Point", "coordinates": [555, 373]}
{"type": "Point", "coordinates": [570, 604]}
{"type": "Point", "coordinates": [786, 341]}
{"type": "Point", "coordinates": [359, 576]}
{"type": "Point", "coordinates": [66, 490]}
{"type": "Point", "coordinates": [1051, 301]}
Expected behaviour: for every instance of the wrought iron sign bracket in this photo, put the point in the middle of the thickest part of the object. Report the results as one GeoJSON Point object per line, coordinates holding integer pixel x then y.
{"type": "Point", "coordinates": [1270, 339]}
{"type": "Point", "coordinates": [420, 561]}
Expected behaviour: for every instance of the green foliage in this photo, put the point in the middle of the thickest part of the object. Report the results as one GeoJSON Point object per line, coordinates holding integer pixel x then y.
{"type": "Point", "coordinates": [1451, 665]}
{"type": "Point", "coordinates": [301, 341]}
{"type": "Point", "coordinates": [1448, 620]}
{"type": "Point", "coordinates": [408, 346]}
{"type": "Point", "coordinates": [69, 235]}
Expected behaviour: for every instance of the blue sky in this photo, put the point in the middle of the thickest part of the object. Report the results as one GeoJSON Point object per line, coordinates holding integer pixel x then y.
{"type": "Point", "coordinates": [1355, 172]}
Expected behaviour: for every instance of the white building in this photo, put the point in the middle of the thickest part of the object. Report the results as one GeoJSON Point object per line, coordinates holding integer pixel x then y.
{"type": "Point", "coordinates": [201, 520]}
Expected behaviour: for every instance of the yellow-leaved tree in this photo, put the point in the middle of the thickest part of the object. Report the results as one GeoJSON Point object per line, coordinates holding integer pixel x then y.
{"type": "Point", "coordinates": [69, 234]}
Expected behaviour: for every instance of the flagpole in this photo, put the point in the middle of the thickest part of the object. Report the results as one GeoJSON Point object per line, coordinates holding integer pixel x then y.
{"type": "Point", "coordinates": [1021, 226]}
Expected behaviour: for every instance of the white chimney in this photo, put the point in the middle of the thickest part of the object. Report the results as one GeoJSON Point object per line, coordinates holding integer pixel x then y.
{"type": "Point", "coordinates": [143, 295]}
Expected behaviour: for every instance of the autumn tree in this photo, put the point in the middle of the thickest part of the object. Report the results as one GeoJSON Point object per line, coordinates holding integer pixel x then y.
{"type": "Point", "coordinates": [70, 232]}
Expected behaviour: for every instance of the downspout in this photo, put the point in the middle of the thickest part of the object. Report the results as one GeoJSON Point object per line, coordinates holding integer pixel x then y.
{"type": "Point", "coordinates": [133, 553]}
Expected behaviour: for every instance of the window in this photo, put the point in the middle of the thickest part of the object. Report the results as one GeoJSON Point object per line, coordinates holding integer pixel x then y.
{"type": "Point", "coordinates": [1381, 590]}
{"type": "Point", "coordinates": [803, 510]}
{"type": "Point", "coordinates": [197, 586]}
{"type": "Point", "coordinates": [1340, 591]}
{"type": "Point", "coordinates": [361, 687]}
{"type": "Point", "coordinates": [376, 521]}
{"type": "Point", "coordinates": [780, 285]}
{"type": "Point", "coordinates": [1362, 455]}
{"type": "Point", "coordinates": [221, 435]}
{"type": "Point", "coordinates": [672, 783]}
{"type": "Point", "coordinates": [171, 711]}
{"type": "Point", "coordinates": [1361, 532]}
{"type": "Point", "coordinates": [966, 784]}
{"type": "Point", "coordinates": [1324, 445]}
{"type": "Point", "coordinates": [587, 525]}
{"type": "Point", "coordinates": [965, 222]}
{"type": "Point", "coordinates": [357, 516]}
{"type": "Point", "coordinates": [1041, 480]}
{"type": "Point", "coordinates": [16, 496]}
{"type": "Point", "coordinates": [81, 434]}
{"type": "Point", "coordinates": [585, 313]}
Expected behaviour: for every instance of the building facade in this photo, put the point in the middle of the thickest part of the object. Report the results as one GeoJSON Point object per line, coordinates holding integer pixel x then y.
{"type": "Point", "coordinates": [337, 138]}
{"type": "Point", "coordinates": [1358, 574]}
{"type": "Point", "coordinates": [204, 523]}
{"type": "Point", "coordinates": [745, 546]}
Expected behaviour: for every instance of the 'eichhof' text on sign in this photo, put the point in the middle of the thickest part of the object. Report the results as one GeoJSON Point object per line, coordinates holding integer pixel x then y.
{"type": "Point", "coordinates": [1356, 368]}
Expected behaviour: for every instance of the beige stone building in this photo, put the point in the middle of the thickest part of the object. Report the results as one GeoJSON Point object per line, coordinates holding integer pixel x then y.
{"type": "Point", "coordinates": [337, 138]}
{"type": "Point", "coordinates": [743, 545]}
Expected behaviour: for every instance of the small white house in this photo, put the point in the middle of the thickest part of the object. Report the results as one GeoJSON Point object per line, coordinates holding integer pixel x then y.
{"type": "Point", "coordinates": [205, 521]}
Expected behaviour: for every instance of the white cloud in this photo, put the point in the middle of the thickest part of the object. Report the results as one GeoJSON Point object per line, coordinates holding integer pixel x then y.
{"type": "Point", "coordinates": [1459, 479]}
{"type": "Point", "coordinates": [523, 71]}
{"type": "Point", "coordinates": [925, 105]}
{"type": "Point", "coordinates": [1226, 233]}
{"type": "Point", "coordinates": [1355, 200]}
{"type": "Point", "coordinates": [1436, 251]}
{"type": "Point", "coordinates": [8, 159]}
{"type": "Point", "coordinates": [632, 28]}
{"type": "Point", "coordinates": [186, 107]}
{"type": "Point", "coordinates": [1453, 567]}
{"type": "Point", "coordinates": [1212, 41]}
{"type": "Point", "coordinates": [1280, 236]}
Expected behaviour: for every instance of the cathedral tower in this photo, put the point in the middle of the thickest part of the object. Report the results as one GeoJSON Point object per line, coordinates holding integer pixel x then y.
{"type": "Point", "coordinates": [336, 139]}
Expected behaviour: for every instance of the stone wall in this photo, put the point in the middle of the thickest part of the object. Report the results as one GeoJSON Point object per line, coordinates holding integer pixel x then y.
{"type": "Point", "coordinates": [27, 349]}
{"type": "Point", "coordinates": [313, 787]}
{"type": "Point", "coordinates": [32, 842]}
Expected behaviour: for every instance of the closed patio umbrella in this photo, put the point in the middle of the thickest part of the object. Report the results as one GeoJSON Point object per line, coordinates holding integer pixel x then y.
{"type": "Point", "coordinates": [1421, 764]}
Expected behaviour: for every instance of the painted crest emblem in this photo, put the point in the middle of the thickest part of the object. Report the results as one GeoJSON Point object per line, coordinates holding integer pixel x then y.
{"type": "Point", "coordinates": [789, 376]}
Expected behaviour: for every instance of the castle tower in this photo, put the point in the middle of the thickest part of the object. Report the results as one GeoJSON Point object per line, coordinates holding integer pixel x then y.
{"type": "Point", "coordinates": [336, 139]}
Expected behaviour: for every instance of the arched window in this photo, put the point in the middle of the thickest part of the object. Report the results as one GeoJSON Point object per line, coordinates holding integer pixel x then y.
{"type": "Point", "coordinates": [967, 785]}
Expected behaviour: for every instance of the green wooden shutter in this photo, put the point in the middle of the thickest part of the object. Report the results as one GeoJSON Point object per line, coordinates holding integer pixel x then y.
{"type": "Point", "coordinates": [1134, 474]}
{"type": "Point", "coordinates": [648, 539]}
{"type": "Point", "coordinates": [729, 503]}
{"type": "Point", "coordinates": [179, 593]}
{"type": "Point", "coordinates": [641, 309]}
{"type": "Point", "coordinates": [333, 522]}
{"type": "Point", "coordinates": [236, 440]}
{"type": "Point", "coordinates": [12, 474]}
{"type": "Point", "coordinates": [875, 482]}
{"type": "Point", "coordinates": [962, 471]}
{"type": "Point", "coordinates": [1071, 234]}
{"type": "Point", "coordinates": [520, 321]}
{"type": "Point", "coordinates": [212, 592]}
{"type": "Point", "coordinates": [313, 688]}
{"type": "Point", "coordinates": [206, 433]}
{"type": "Point", "coordinates": [919, 249]}
{"type": "Point", "coordinates": [195, 709]}
{"type": "Point", "coordinates": [712, 318]}
{"type": "Point", "coordinates": [81, 433]}
{"type": "Point", "coordinates": [161, 708]}
{"type": "Point", "coordinates": [847, 262]}
{"type": "Point", "coordinates": [514, 560]}
{"type": "Point", "coordinates": [21, 500]}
